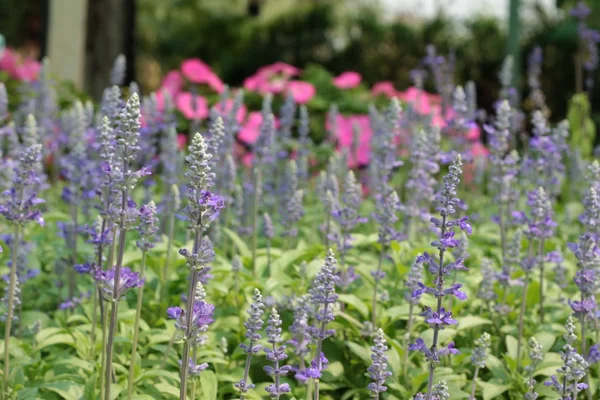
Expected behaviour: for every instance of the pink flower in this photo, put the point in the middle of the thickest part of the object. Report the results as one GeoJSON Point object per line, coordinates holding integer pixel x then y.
{"type": "Point", "coordinates": [28, 70]}
{"type": "Point", "coordinates": [251, 129]}
{"type": "Point", "coordinates": [172, 82]}
{"type": "Point", "coordinates": [347, 80]}
{"type": "Point", "coordinates": [301, 91]}
{"type": "Point", "coordinates": [241, 112]}
{"type": "Point", "coordinates": [272, 78]}
{"type": "Point", "coordinates": [185, 103]}
{"type": "Point", "coordinates": [478, 149]}
{"type": "Point", "coordinates": [23, 69]}
{"type": "Point", "coordinates": [197, 71]}
{"type": "Point", "coordinates": [474, 132]}
{"type": "Point", "coordinates": [279, 68]}
{"type": "Point", "coordinates": [8, 61]}
{"type": "Point", "coordinates": [345, 135]}
{"type": "Point", "coordinates": [383, 88]}
{"type": "Point", "coordinates": [181, 141]}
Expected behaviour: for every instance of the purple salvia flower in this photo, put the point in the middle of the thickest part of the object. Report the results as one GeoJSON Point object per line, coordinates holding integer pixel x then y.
{"type": "Point", "coordinates": [486, 288]}
{"type": "Point", "coordinates": [253, 327]}
{"type": "Point", "coordinates": [440, 391]}
{"type": "Point", "coordinates": [291, 207]}
{"type": "Point", "coordinates": [268, 228]}
{"type": "Point", "coordinates": [21, 203]}
{"type": "Point", "coordinates": [574, 367]}
{"type": "Point", "coordinates": [421, 182]}
{"type": "Point", "coordinates": [440, 318]}
{"type": "Point", "coordinates": [299, 329]}
{"type": "Point", "coordinates": [127, 279]}
{"type": "Point", "coordinates": [322, 296]}
{"type": "Point", "coordinates": [346, 215]}
{"type": "Point", "coordinates": [117, 74]}
{"type": "Point", "coordinates": [148, 226]}
{"type": "Point", "coordinates": [378, 370]}
{"type": "Point", "coordinates": [276, 354]}
{"type": "Point", "coordinates": [111, 104]}
{"type": "Point", "coordinates": [304, 143]}
{"type": "Point", "coordinates": [287, 115]}
{"type": "Point", "coordinates": [534, 70]}
{"type": "Point", "coordinates": [479, 357]}
{"type": "Point", "coordinates": [536, 357]}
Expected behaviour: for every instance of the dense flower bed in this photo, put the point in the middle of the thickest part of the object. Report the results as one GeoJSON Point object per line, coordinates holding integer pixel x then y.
{"type": "Point", "coordinates": [414, 263]}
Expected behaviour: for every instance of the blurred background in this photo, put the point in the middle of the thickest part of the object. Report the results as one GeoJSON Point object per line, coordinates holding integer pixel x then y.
{"type": "Point", "coordinates": [383, 40]}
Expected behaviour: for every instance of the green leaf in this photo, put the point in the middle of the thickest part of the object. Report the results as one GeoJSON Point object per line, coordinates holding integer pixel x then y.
{"type": "Point", "coordinates": [239, 243]}
{"type": "Point", "coordinates": [208, 380]}
{"type": "Point", "coordinates": [471, 321]}
{"type": "Point", "coordinates": [360, 351]}
{"type": "Point", "coordinates": [68, 390]}
{"type": "Point", "coordinates": [165, 388]}
{"type": "Point", "coordinates": [511, 347]}
{"type": "Point", "coordinates": [90, 387]}
{"type": "Point", "coordinates": [61, 338]}
{"type": "Point", "coordinates": [355, 302]}
{"type": "Point", "coordinates": [492, 390]}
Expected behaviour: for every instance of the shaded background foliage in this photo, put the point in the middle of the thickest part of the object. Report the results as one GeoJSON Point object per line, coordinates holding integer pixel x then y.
{"type": "Point", "coordinates": [238, 36]}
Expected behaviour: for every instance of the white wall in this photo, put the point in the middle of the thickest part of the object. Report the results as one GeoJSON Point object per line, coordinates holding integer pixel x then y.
{"type": "Point", "coordinates": [461, 8]}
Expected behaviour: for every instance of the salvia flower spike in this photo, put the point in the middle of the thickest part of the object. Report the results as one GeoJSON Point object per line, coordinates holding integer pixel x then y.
{"type": "Point", "coordinates": [439, 318]}
{"type": "Point", "coordinates": [253, 327]}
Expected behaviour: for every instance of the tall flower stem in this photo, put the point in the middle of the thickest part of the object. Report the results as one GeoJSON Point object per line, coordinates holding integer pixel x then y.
{"type": "Point", "coordinates": [440, 288]}
{"type": "Point", "coordinates": [190, 310]}
{"type": "Point", "coordinates": [541, 266]}
{"type": "Point", "coordinates": [112, 327]}
{"type": "Point", "coordinates": [194, 382]}
{"type": "Point", "coordinates": [522, 312]}
{"type": "Point", "coordinates": [165, 273]}
{"type": "Point", "coordinates": [94, 318]}
{"type": "Point", "coordinates": [319, 349]}
{"type": "Point", "coordinates": [408, 334]}
{"type": "Point", "coordinates": [374, 300]}
{"type": "Point", "coordinates": [256, 182]}
{"type": "Point", "coordinates": [473, 385]}
{"type": "Point", "coordinates": [11, 304]}
{"type": "Point", "coordinates": [71, 276]}
{"type": "Point", "coordinates": [136, 327]}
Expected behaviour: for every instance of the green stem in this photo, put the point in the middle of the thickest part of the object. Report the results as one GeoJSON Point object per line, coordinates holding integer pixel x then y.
{"type": "Point", "coordinates": [374, 299]}
{"type": "Point", "coordinates": [136, 327]}
{"type": "Point", "coordinates": [112, 328]}
{"type": "Point", "coordinates": [473, 385]}
{"type": "Point", "coordinates": [11, 305]}
{"type": "Point", "coordinates": [189, 315]}
{"type": "Point", "coordinates": [103, 358]}
{"type": "Point", "coordinates": [94, 317]}
{"type": "Point", "coordinates": [165, 274]}
{"type": "Point", "coordinates": [70, 275]}
{"type": "Point", "coordinates": [255, 220]}
{"type": "Point", "coordinates": [194, 358]}
{"type": "Point", "coordinates": [541, 265]}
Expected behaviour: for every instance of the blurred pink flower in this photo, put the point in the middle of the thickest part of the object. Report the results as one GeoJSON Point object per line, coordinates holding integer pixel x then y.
{"type": "Point", "coordinates": [383, 88]}
{"type": "Point", "coordinates": [345, 136]}
{"type": "Point", "coordinates": [301, 91]}
{"type": "Point", "coordinates": [23, 69]}
{"type": "Point", "coordinates": [272, 78]}
{"type": "Point", "coordinates": [185, 103]}
{"type": "Point", "coordinates": [197, 71]}
{"type": "Point", "coordinates": [172, 82]}
{"type": "Point", "coordinates": [347, 80]}
{"type": "Point", "coordinates": [181, 141]}
{"type": "Point", "coordinates": [478, 149]}
{"type": "Point", "coordinates": [474, 132]}
{"type": "Point", "coordinates": [241, 112]}
{"type": "Point", "coordinates": [279, 68]}
{"type": "Point", "coordinates": [28, 70]}
{"type": "Point", "coordinates": [251, 129]}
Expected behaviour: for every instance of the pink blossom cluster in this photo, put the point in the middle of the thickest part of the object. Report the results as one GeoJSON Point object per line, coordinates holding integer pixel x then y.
{"type": "Point", "coordinates": [19, 67]}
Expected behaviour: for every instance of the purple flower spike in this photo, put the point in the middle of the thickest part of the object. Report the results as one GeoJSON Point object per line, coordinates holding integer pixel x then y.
{"type": "Point", "coordinates": [126, 281]}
